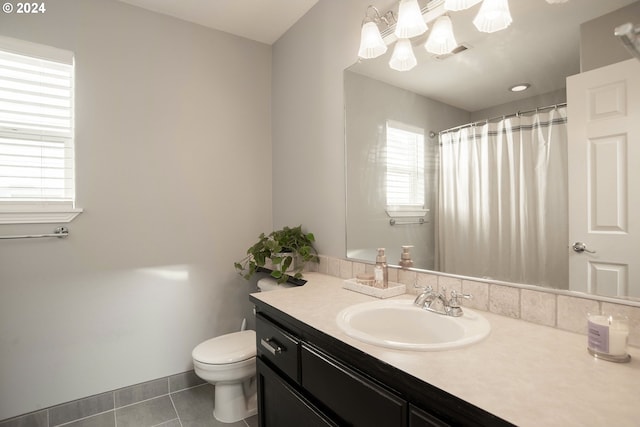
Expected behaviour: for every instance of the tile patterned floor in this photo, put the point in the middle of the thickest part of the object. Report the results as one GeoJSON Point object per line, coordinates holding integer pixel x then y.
{"type": "Point", "coordinates": [191, 407]}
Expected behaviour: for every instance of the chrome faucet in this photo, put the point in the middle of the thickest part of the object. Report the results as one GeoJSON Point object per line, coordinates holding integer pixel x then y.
{"type": "Point", "coordinates": [438, 302]}
{"type": "Point", "coordinates": [421, 299]}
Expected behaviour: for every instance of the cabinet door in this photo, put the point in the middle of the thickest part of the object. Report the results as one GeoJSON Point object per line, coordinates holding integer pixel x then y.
{"type": "Point", "coordinates": [279, 405]}
{"type": "Point", "coordinates": [351, 397]}
{"type": "Point", "coordinates": [420, 418]}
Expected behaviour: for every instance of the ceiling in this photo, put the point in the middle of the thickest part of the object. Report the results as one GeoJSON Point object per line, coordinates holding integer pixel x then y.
{"type": "Point", "coordinates": [541, 47]}
{"type": "Point", "coordinates": [260, 20]}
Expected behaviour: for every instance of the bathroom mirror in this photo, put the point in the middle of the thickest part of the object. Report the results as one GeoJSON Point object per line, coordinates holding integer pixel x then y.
{"type": "Point", "coordinates": [541, 48]}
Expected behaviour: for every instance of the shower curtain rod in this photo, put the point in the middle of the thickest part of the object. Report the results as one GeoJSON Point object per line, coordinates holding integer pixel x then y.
{"type": "Point", "coordinates": [517, 114]}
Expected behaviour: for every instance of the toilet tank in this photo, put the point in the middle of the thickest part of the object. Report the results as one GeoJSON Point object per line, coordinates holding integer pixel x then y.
{"type": "Point", "coordinates": [267, 284]}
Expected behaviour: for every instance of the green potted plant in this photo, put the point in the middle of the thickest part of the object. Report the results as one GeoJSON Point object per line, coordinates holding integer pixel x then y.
{"type": "Point", "coordinates": [288, 249]}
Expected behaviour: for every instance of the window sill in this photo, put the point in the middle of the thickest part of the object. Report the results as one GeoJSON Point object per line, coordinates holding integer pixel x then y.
{"type": "Point", "coordinates": [31, 215]}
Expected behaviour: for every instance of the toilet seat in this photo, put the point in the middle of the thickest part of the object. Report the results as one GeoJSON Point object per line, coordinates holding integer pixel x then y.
{"type": "Point", "coordinates": [225, 349]}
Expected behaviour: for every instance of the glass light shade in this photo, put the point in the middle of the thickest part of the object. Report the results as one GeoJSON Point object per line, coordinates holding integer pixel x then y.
{"type": "Point", "coordinates": [441, 39]}
{"type": "Point", "coordinates": [410, 20]}
{"type": "Point", "coordinates": [493, 16]}
{"type": "Point", "coordinates": [403, 58]}
{"type": "Point", "coordinates": [371, 43]}
{"type": "Point", "coordinates": [459, 4]}
{"type": "Point", "coordinates": [556, 1]}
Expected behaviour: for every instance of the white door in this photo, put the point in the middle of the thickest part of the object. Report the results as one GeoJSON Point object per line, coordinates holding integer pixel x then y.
{"type": "Point", "coordinates": [604, 179]}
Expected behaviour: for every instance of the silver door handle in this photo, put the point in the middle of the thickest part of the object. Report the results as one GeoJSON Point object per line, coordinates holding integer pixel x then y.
{"type": "Point", "coordinates": [581, 247]}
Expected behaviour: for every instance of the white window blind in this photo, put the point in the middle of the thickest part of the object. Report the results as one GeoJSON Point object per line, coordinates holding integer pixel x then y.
{"type": "Point", "coordinates": [36, 126]}
{"type": "Point", "coordinates": [405, 166]}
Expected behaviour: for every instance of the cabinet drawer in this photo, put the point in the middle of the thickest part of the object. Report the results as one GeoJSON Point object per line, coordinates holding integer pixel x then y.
{"type": "Point", "coordinates": [420, 418]}
{"type": "Point", "coordinates": [353, 398]}
{"type": "Point", "coordinates": [278, 347]}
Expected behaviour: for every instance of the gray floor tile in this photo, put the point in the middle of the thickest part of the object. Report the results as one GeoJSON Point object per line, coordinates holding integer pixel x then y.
{"type": "Point", "coordinates": [252, 421]}
{"type": "Point", "coordinates": [195, 408]}
{"type": "Point", "coordinates": [34, 419]}
{"type": "Point", "coordinates": [80, 409]}
{"type": "Point", "coordinates": [139, 392]}
{"type": "Point", "coordinates": [146, 414]}
{"type": "Point", "coordinates": [103, 420]}
{"type": "Point", "coordinates": [172, 423]}
{"type": "Point", "coordinates": [184, 380]}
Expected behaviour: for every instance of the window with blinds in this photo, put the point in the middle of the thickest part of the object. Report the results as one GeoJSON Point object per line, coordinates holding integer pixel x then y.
{"type": "Point", "coordinates": [405, 181]}
{"type": "Point", "coordinates": [36, 129]}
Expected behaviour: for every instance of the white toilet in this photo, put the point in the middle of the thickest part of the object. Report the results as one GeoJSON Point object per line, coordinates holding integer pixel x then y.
{"type": "Point", "coordinates": [229, 362]}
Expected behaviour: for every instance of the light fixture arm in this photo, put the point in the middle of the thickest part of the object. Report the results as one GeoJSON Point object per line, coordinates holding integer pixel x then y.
{"type": "Point", "coordinates": [388, 19]}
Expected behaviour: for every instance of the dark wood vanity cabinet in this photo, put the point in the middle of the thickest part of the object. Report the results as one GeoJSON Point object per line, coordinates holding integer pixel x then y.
{"type": "Point", "coordinates": [356, 400]}
{"type": "Point", "coordinates": [307, 378]}
{"type": "Point", "coordinates": [281, 405]}
{"type": "Point", "coordinates": [420, 418]}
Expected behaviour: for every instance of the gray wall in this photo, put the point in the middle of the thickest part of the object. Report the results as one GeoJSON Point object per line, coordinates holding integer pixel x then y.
{"type": "Point", "coordinates": [308, 122]}
{"type": "Point", "coordinates": [173, 148]}
{"type": "Point", "coordinates": [598, 44]}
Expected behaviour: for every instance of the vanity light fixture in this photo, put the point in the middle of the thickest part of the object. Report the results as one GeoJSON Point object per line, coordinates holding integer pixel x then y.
{"type": "Point", "coordinates": [520, 87]}
{"type": "Point", "coordinates": [556, 1]}
{"type": "Point", "coordinates": [493, 16]}
{"type": "Point", "coordinates": [371, 43]}
{"type": "Point", "coordinates": [403, 58]}
{"type": "Point", "coordinates": [441, 39]}
{"type": "Point", "coordinates": [410, 20]}
{"type": "Point", "coordinates": [454, 5]}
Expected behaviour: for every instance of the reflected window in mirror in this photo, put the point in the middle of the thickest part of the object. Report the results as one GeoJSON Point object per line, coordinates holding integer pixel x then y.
{"type": "Point", "coordinates": [405, 175]}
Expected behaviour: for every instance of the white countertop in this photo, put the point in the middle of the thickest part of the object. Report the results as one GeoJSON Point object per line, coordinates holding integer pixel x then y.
{"type": "Point", "coordinates": [527, 374]}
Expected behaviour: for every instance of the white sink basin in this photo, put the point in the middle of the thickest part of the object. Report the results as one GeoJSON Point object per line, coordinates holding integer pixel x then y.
{"type": "Point", "coordinates": [399, 324]}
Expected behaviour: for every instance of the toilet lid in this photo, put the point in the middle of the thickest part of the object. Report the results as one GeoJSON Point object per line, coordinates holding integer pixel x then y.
{"type": "Point", "coordinates": [229, 348]}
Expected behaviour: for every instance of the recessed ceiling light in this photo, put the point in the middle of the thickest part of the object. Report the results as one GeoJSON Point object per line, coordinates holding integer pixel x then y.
{"type": "Point", "coordinates": [520, 87]}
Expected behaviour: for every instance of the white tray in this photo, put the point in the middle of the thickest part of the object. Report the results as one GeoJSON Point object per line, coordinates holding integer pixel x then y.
{"type": "Point", "coordinates": [393, 290]}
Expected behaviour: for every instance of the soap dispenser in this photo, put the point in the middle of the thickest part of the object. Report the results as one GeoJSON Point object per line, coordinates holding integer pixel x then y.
{"type": "Point", "coordinates": [380, 271]}
{"type": "Point", "coordinates": [405, 257]}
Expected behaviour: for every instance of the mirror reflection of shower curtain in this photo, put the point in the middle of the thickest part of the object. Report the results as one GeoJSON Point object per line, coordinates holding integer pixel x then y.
{"type": "Point", "coordinates": [502, 210]}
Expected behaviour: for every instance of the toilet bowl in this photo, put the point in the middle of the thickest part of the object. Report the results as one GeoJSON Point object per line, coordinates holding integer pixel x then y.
{"type": "Point", "coordinates": [229, 363]}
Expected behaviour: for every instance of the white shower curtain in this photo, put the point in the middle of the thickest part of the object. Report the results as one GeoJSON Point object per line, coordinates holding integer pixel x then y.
{"type": "Point", "coordinates": [502, 209]}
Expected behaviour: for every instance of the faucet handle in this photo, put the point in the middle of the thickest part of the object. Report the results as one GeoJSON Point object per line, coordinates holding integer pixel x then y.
{"type": "Point", "coordinates": [454, 298]}
{"type": "Point", "coordinates": [427, 288]}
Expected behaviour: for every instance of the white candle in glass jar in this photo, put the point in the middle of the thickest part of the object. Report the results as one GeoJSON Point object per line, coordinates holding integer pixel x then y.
{"type": "Point", "coordinates": [618, 336]}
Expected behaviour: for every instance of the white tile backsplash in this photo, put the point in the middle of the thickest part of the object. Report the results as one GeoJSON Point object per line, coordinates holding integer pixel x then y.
{"type": "Point", "coordinates": [572, 313]}
{"type": "Point", "coordinates": [504, 300]}
{"type": "Point", "coordinates": [535, 306]}
{"type": "Point", "coordinates": [334, 267]}
{"type": "Point", "coordinates": [346, 269]}
{"type": "Point", "coordinates": [407, 277]}
{"type": "Point", "coordinates": [538, 307]}
{"type": "Point", "coordinates": [479, 295]}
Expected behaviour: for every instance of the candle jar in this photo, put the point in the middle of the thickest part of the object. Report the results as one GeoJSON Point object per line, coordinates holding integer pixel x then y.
{"type": "Point", "coordinates": [608, 336]}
